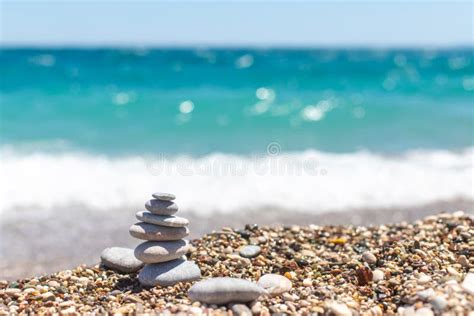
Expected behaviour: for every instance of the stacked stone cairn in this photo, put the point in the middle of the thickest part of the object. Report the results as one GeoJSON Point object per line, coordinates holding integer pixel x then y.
{"type": "Point", "coordinates": [164, 249]}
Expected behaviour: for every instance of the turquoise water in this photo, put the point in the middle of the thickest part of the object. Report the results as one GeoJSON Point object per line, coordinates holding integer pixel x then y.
{"type": "Point", "coordinates": [197, 101]}
{"type": "Point", "coordinates": [297, 130]}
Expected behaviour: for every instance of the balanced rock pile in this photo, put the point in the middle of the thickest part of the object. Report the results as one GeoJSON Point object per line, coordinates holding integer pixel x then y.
{"type": "Point", "coordinates": [164, 250]}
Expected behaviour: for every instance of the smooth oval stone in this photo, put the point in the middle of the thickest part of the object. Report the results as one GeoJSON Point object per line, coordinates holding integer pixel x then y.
{"type": "Point", "coordinates": [250, 251]}
{"type": "Point", "coordinates": [161, 251]}
{"type": "Point", "coordinates": [159, 207]}
{"type": "Point", "coordinates": [275, 284]}
{"type": "Point", "coordinates": [169, 273]}
{"type": "Point", "coordinates": [162, 220]}
{"type": "Point", "coordinates": [240, 310]}
{"type": "Point", "coordinates": [369, 257]}
{"type": "Point", "coordinates": [377, 275]}
{"type": "Point", "coordinates": [164, 196]}
{"type": "Point", "coordinates": [148, 231]}
{"type": "Point", "coordinates": [120, 259]}
{"type": "Point", "coordinates": [225, 290]}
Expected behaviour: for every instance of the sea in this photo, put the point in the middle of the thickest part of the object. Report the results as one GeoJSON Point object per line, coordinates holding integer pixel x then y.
{"type": "Point", "coordinates": [299, 130]}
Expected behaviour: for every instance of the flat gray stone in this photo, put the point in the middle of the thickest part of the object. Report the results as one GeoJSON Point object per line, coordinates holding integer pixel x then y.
{"type": "Point", "coordinates": [225, 290]}
{"type": "Point", "coordinates": [160, 207]}
{"type": "Point", "coordinates": [164, 196]}
{"type": "Point", "coordinates": [148, 231]}
{"type": "Point", "coordinates": [275, 284]}
{"type": "Point", "coordinates": [162, 220]}
{"type": "Point", "coordinates": [169, 273]}
{"type": "Point", "coordinates": [120, 259]}
{"type": "Point", "coordinates": [250, 251]}
{"type": "Point", "coordinates": [161, 251]}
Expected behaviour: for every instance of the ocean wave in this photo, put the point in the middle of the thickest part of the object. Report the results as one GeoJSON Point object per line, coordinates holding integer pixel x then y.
{"type": "Point", "coordinates": [308, 181]}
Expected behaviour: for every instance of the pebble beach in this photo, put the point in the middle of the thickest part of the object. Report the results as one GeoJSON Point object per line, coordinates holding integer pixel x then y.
{"type": "Point", "coordinates": [425, 267]}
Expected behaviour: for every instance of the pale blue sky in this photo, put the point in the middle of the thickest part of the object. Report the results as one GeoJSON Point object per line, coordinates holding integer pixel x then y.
{"type": "Point", "coordinates": [236, 23]}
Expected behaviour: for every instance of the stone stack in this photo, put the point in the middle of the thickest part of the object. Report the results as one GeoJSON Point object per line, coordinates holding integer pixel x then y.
{"type": "Point", "coordinates": [164, 249]}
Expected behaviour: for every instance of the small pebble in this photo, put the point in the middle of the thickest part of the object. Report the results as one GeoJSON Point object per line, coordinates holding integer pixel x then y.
{"type": "Point", "coordinates": [250, 251]}
{"type": "Point", "coordinates": [307, 282]}
{"type": "Point", "coordinates": [275, 284]}
{"type": "Point", "coordinates": [462, 260]}
{"type": "Point", "coordinates": [423, 278]}
{"type": "Point", "coordinates": [439, 303]}
{"type": "Point", "coordinates": [452, 271]}
{"type": "Point", "coordinates": [48, 296]}
{"type": "Point", "coordinates": [424, 311]}
{"type": "Point", "coordinates": [369, 257]}
{"type": "Point", "coordinates": [241, 310]}
{"type": "Point", "coordinates": [53, 284]}
{"type": "Point", "coordinates": [194, 310]}
{"type": "Point", "coordinates": [288, 297]}
{"type": "Point", "coordinates": [12, 291]}
{"type": "Point", "coordinates": [376, 311]}
{"type": "Point", "coordinates": [338, 309]}
{"type": "Point", "coordinates": [378, 275]}
{"type": "Point", "coordinates": [256, 307]}
{"type": "Point", "coordinates": [426, 294]}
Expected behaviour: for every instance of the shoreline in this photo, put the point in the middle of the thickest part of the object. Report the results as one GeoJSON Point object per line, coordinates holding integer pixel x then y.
{"type": "Point", "coordinates": [425, 267]}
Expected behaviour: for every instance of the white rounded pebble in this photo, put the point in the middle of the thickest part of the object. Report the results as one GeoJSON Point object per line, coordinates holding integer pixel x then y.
{"type": "Point", "coordinates": [423, 278]}
{"type": "Point", "coordinates": [249, 251]}
{"type": "Point", "coordinates": [241, 310]}
{"type": "Point", "coordinates": [439, 303]}
{"type": "Point", "coordinates": [424, 311]}
{"type": "Point", "coordinates": [377, 275]}
{"type": "Point", "coordinates": [426, 294]}
{"type": "Point", "coordinates": [225, 290]}
{"type": "Point", "coordinates": [275, 284]}
{"type": "Point", "coordinates": [339, 309]}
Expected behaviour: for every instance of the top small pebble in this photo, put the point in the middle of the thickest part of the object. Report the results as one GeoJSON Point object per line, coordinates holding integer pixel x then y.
{"type": "Point", "coordinates": [164, 196]}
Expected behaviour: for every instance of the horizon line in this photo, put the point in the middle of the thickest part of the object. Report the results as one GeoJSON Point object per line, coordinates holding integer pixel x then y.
{"type": "Point", "coordinates": [235, 46]}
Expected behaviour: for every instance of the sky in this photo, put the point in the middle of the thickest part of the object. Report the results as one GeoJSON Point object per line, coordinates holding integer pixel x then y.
{"type": "Point", "coordinates": [236, 23]}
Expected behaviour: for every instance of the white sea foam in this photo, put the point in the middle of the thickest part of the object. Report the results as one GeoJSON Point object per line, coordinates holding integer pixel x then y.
{"type": "Point", "coordinates": [307, 181]}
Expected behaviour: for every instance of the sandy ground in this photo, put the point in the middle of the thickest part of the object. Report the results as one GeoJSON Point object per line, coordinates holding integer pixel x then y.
{"type": "Point", "coordinates": [33, 244]}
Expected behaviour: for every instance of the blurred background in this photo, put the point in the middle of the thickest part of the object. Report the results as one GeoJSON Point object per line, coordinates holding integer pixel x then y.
{"type": "Point", "coordinates": [270, 112]}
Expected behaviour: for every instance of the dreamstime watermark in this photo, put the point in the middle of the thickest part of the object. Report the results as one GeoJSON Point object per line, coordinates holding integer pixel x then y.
{"type": "Point", "coordinates": [271, 163]}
